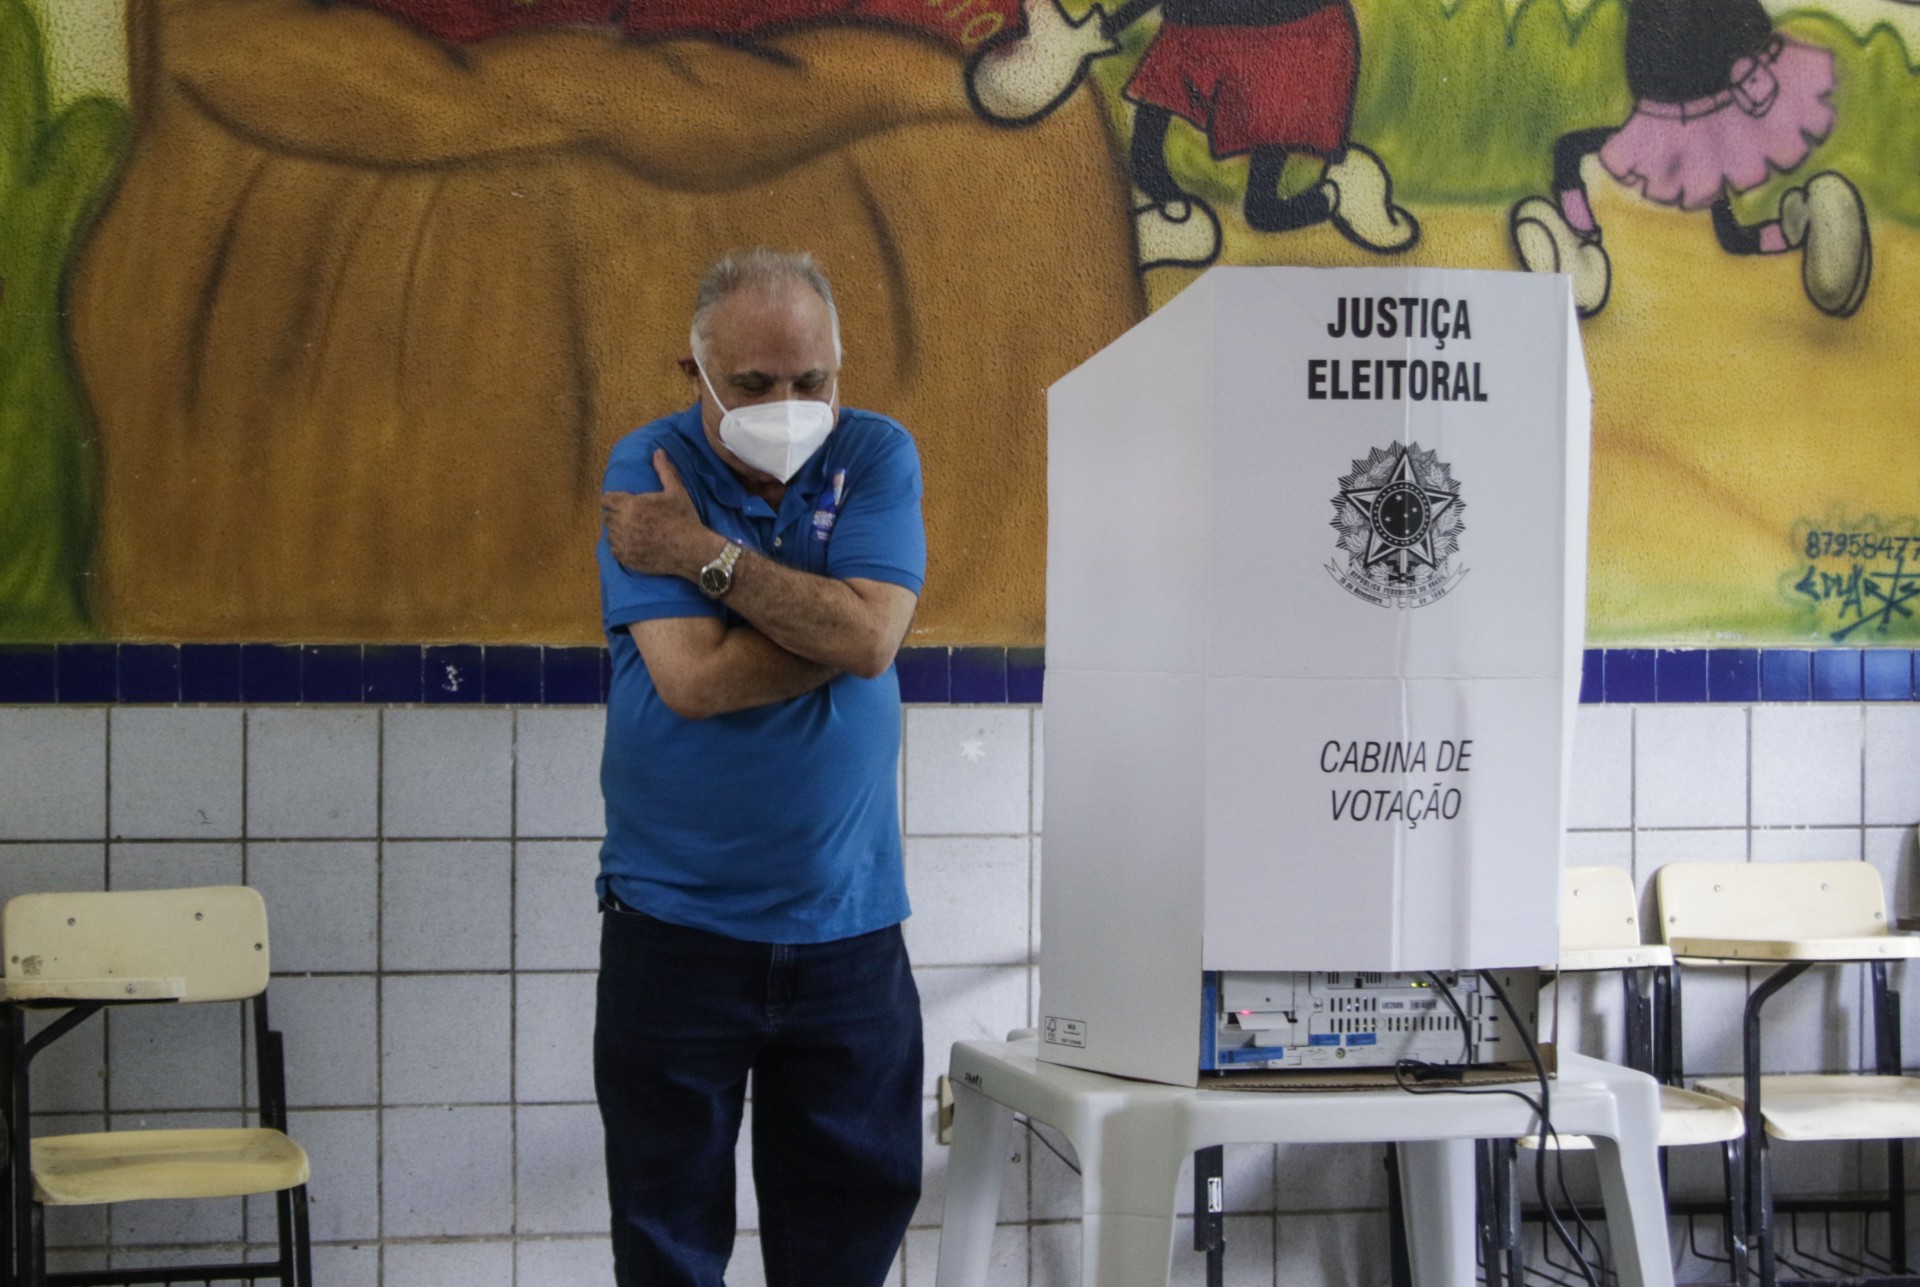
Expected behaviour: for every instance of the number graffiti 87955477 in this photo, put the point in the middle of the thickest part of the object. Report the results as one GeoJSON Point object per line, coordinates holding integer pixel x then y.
{"type": "Point", "coordinates": [1861, 577]}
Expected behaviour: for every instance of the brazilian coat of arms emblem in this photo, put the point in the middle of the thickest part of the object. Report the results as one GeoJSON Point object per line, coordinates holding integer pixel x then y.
{"type": "Point", "coordinates": [1399, 516]}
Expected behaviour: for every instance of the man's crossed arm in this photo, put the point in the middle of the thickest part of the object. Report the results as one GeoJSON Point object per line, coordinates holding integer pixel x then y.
{"type": "Point", "coordinates": [803, 630]}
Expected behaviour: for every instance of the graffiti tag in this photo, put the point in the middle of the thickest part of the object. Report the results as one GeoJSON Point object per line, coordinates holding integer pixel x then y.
{"type": "Point", "coordinates": [1868, 580]}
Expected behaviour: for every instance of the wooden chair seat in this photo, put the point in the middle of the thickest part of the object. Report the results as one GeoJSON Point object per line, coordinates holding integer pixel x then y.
{"type": "Point", "coordinates": [1830, 1106]}
{"type": "Point", "coordinates": [1686, 1117]}
{"type": "Point", "coordinates": [1690, 950]}
{"type": "Point", "coordinates": [79, 953]}
{"type": "Point", "coordinates": [127, 1166]}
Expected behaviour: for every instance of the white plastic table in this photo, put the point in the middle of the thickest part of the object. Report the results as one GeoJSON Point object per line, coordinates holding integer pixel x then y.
{"type": "Point", "coordinates": [1133, 1136]}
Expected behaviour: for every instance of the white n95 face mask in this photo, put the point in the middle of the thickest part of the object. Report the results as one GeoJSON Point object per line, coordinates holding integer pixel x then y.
{"type": "Point", "coordinates": [773, 437]}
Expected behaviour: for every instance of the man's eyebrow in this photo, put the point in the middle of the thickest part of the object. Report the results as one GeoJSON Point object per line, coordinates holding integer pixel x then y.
{"type": "Point", "coordinates": [755, 376]}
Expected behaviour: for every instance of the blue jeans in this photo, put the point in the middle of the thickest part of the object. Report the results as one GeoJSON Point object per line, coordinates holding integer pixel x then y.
{"type": "Point", "coordinates": [831, 1034]}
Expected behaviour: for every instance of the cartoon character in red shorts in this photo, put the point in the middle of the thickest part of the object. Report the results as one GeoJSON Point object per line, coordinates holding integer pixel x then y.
{"type": "Point", "coordinates": [1722, 102]}
{"type": "Point", "coordinates": [1261, 78]}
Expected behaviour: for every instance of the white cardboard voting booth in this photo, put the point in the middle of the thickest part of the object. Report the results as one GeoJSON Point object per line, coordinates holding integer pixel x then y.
{"type": "Point", "coordinates": [1315, 607]}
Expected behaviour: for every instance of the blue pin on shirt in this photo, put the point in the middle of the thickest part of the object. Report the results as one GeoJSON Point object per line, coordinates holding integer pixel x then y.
{"type": "Point", "coordinates": [828, 511]}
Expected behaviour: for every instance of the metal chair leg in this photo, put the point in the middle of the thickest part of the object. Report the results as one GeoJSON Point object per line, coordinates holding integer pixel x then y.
{"type": "Point", "coordinates": [34, 1256]}
{"type": "Point", "coordinates": [1399, 1261]}
{"type": "Point", "coordinates": [302, 1240]}
{"type": "Point", "coordinates": [1209, 1211]}
{"type": "Point", "coordinates": [283, 1230]}
{"type": "Point", "coordinates": [1734, 1218]}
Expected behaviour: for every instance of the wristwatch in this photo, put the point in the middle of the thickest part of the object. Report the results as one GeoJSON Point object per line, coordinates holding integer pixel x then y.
{"type": "Point", "coordinates": [716, 578]}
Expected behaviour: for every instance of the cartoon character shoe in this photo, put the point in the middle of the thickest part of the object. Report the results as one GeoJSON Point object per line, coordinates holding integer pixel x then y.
{"type": "Point", "coordinates": [1361, 194]}
{"type": "Point", "coordinates": [1547, 243]}
{"type": "Point", "coordinates": [1179, 234]}
{"type": "Point", "coordinates": [1021, 81]}
{"type": "Point", "coordinates": [1827, 220]}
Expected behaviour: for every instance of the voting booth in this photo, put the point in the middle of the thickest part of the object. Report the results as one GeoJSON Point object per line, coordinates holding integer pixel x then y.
{"type": "Point", "coordinates": [1315, 609]}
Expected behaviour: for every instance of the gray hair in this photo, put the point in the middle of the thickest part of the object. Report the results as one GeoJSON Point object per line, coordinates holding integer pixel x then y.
{"type": "Point", "coordinates": [760, 268]}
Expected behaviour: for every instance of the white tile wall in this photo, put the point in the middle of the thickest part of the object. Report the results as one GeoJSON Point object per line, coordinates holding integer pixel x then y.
{"type": "Point", "coordinates": [344, 1147]}
{"type": "Point", "coordinates": [1806, 766]}
{"type": "Point", "coordinates": [557, 783]}
{"type": "Point", "coordinates": [1603, 766]}
{"type": "Point", "coordinates": [53, 774]}
{"type": "Point", "coordinates": [457, 1264]}
{"type": "Point", "coordinates": [71, 1076]}
{"type": "Point", "coordinates": [1892, 754]}
{"type": "Point", "coordinates": [323, 902]}
{"type": "Point", "coordinates": [446, 905]}
{"type": "Point", "coordinates": [313, 772]}
{"type": "Point", "coordinates": [559, 1170]}
{"type": "Point", "coordinates": [564, 1260]}
{"type": "Point", "coordinates": [343, 1068]}
{"type": "Point", "coordinates": [26, 869]}
{"type": "Point", "coordinates": [348, 1266]}
{"type": "Point", "coordinates": [556, 918]}
{"type": "Point", "coordinates": [447, 773]}
{"type": "Point", "coordinates": [429, 875]}
{"type": "Point", "coordinates": [162, 1058]}
{"type": "Point", "coordinates": [169, 864]}
{"type": "Point", "coordinates": [175, 771]}
{"type": "Point", "coordinates": [446, 1171]}
{"type": "Point", "coordinates": [1690, 766]}
{"type": "Point", "coordinates": [968, 771]}
{"type": "Point", "coordinates": [446, 1039]}
{"type": "Point", "coordinates": [969, 898]}
{"type": "Point", "coordinates": [553, 1044]}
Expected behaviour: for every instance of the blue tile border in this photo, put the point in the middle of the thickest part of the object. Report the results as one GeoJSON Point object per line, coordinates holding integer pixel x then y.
{"type": "Point", "coordinates": [1890, 674]}
{"type": "Point", "coordinates": [1026, 675]}
{"type": "Point", "coordinates": [513, 675]}
{"type": "Point", "coordinates": [1631, 675]}
{"type": "Point", "coordinates": [1680, 675]}
{"type": "Point", "coordinates": [331, 673]}
{"type": "Point", "coordinates": [978, 676]}
{"type": "Point", "coordinates": [1836, 675]}
{"type": "Point", "coordinates": [1733, 675]}
{"type": "Point", "coordinates": [1593, 676]}
{"type": "Point", "coordinates": [533, 675]}
{"type": "Point", "coordinates": [1786, 675]}
{"type": "Point", "coordinates": [454, 674]}
{"type": "Point", "coordinates": [89, 673]}
{"type": "Point", "coordinates": [269, 673]}
{"type": "Point", "coordinates": [925, 674]}
{"type": "Point", "coordinates": [149, 673]}
{"type": "Point", "coordinates": [390, 674]}
{"type": "Point", "coordinates": [28, 675]}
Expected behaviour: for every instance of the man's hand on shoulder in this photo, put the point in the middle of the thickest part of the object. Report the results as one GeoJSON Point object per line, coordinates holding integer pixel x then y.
{"type": "Point", "coordinates": [658, 533]}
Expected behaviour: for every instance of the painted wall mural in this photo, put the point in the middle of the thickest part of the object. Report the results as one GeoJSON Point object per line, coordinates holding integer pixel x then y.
{"type": "Point", "coordinates": [317, 320]}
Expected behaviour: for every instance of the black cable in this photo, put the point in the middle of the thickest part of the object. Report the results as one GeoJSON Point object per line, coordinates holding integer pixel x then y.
{"type": "Point", "coordinates": [1540, 1109]}
{"type": "Point", "coordinates": [1466, 1028]}
{"type": "Point", "coordinates": [1565, 1238]}
{"type": "Point", "coordinates": [1034, 1131]}
{"type": "Point", "coordinates": [1547, 1131]}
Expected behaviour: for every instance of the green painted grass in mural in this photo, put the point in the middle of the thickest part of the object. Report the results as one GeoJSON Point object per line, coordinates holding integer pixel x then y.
{"type": "Point", "coordinates": [52, 173]}
{"type": "Point", "coordinates": [1464, 106]}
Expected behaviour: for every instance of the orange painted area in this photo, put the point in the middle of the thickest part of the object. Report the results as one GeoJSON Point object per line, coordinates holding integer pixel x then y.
{"type": "Point", "coordinates": [362, 321]}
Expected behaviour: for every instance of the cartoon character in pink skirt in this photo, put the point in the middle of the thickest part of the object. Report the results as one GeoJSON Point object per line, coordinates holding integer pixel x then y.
{"type": "Point", "coordinates": [1721, 101]}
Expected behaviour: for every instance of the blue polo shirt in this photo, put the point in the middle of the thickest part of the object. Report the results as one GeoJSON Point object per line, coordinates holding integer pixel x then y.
{"type": "Point", "coordinates": [779, 824]}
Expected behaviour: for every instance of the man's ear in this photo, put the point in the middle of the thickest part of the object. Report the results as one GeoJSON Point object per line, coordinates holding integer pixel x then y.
{"type": "Point", "coordinates": [687, 367]}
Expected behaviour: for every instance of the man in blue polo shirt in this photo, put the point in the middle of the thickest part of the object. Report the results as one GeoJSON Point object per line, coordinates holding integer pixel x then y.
{"type": "Point", "coordinates": [762, 557]}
